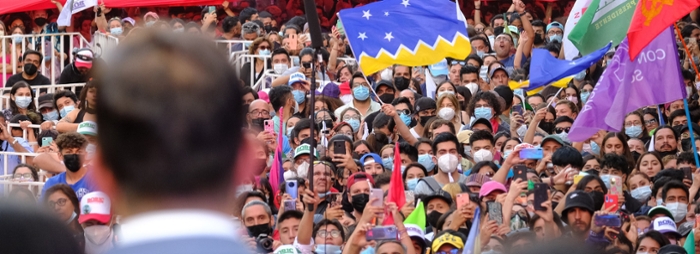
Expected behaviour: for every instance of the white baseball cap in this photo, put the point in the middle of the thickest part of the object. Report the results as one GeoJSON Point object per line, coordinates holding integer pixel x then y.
{"type": "Point", "coordinates": [665, 225]}
{"type": "Point", "coordinates": [95, 206]}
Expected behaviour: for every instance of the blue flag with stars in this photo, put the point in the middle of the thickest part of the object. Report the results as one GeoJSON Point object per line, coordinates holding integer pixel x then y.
{"type": "Point", "coordinates": [406, 32]}
{"type": "Point", "coordinates": [545, 69]}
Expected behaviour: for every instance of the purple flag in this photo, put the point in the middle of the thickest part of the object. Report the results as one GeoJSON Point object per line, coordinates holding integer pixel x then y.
{"type": "Point", "coordinates": [654, 77]}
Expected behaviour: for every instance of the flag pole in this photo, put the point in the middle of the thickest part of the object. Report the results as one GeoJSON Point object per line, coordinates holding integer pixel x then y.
{"type": "Point", "coordinates": [685, 100]}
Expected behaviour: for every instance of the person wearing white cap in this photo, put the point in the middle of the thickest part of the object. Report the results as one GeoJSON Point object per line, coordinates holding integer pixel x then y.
{"type": "Point", "coordinates": [77, 71]}
{"type": "Point", "coordinates": [95, 218]}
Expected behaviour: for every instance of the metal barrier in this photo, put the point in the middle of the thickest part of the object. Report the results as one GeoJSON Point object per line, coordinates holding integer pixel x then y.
{"type": "Point", "coordinates": [53, 47]}
{"type": "Point", "coordinates": [103, 44]}
{"type": "Point", "coordinates": [5, 98]}
{"type": "Point", "coordinates": [8, 184]}
{"type": "Point", "coordinates": [4, 155]}
{"type": "Point", "coordinates": [262, 82]}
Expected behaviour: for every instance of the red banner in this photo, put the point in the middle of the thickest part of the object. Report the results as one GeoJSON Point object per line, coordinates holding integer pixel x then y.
{"type": "Point", "coordinates": [11, 6]}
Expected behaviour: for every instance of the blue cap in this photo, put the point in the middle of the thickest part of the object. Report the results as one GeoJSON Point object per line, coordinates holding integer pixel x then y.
{"type": "Point", "coordinates": [440, 68]}
{"type": "Point", "coordinates": [296, 77]}
{"type": "Point", "coordinates": [376, 157]}
{"type": "Point", "coordinates": [555, 24]}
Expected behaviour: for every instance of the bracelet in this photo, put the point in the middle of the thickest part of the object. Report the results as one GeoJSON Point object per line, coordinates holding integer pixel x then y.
{"type": "Point", "coordinates": [478, 9]}
{"type": "Point", "coordinates": [522, 14]}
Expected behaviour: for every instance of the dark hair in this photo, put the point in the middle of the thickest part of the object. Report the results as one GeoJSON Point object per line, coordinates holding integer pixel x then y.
{"type": "Point", "coordinates": [281, 51]}
{"type": "Point", "coordinates": [302, 124]}
{"type": "Point", "coordinates": [175, 21]}
{"type": "Point", "coordinates": [35, 172]}
{"type": "Point", "coordinates": [688, 30]}
{"type": "Point", "coordinates": [674, 185]}
{"type": "Point", "coordinates": [413, 165]}
{"type": "Point", "coordinates": [70, 140]}
{"type": "Point", "coordinates": [160, 88]}
{"type": "Point", "coordinates": [481, 164]}
{"type": "Point", "coordinates": [66, 190]}
{"type": "Point", "coordinates": [676, 113]}
{"type": "Point", "coordinates": [685, 157]}
{"type": "Point", "coordinates": [476, 57]}
{"type": "Point", "coordinates": [489, 97]}
{"type": "Point", "coordinates": [64, 93]}
{"type": "Point", "coordinates": [589, 178]}
{"type": "Point", "coordinates": [482, 135]}
{"type": "Point", "coordinates": [404, 100]}
{"type": "Point", "coordinates": [325, 222]}
{"type": "Point", "coordinates": [409, 150]}
{"type": "Point", "coordinates": [567, 155]}
{"type": "Point", "coordinates": [13, 91]}
{"type": "Point", "coordinates": [538, 23]}
{"type": "Point", "coordinates": [468, 69]}
{"type": "Point", "coordinates": [192, 25]}
{"type": "Point", "coordinates": [625, 147]}
{"type": "Point", "coordinates": [83, 95]}
{"type": "Point", "coordinates": [279, 96]}
{"type": "Point", "coordinates": [247, 13]}
{"type": "Point", "coordinates": [33, 52]}
{"type": "Point", "coordinates": [446, 137]}
{"type": "Point", "coordinates": [249, 90]}
{"type": "Point", "coordinates": [35, 230]}
{"type": "Point", "coordinates": [612, 160]}
{"type": "Point", "coordinates": [363, 142]}
{"type": "Point", "coordinates": [564, 119]}
{"type": "Point", "coordinates": [484, 40]}
{"type": "Point", "coordinates": [229, 23]}
{"type": "Point", "coordinates": [495, 17]}
{"type": "Point", "coordinates": [383, 178]}
{"type": "Point", "coordinates": [286, 215]}
{"type": "Point", "coordinates": [654, 235]}
{"type": "Point", "coordinates": [507, 95]}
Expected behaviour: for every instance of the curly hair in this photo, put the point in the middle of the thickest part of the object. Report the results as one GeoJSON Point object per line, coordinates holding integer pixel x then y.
{"type": "Point", "coordinates": [70, 140]}
{"type": "Point", "coordinates": [489, 97]}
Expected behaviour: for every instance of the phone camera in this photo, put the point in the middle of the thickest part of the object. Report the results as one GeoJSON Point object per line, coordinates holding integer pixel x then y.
{"type": "Point", "coordinates": [291, 184]}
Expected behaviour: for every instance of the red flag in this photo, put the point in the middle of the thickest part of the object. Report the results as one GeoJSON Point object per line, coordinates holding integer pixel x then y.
{"type": "Point", "coordinates": [653, 16]}
{"type": "Point", "coordinates": [396, 189]}
{"type": "Point", "coordinates": [276, 170]}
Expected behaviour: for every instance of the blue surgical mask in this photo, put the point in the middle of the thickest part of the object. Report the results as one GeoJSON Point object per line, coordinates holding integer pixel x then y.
{"type": "Point", "coordinates": [483, 112]}
{"type": "Point", "coordinates": [406, 119]}
{"type": "Point", "coordinates": [480, 54]}
{"type": "Point", "coordinates": [247, 44]}
{"type": "Point", "coordinates": [51, 115]}
{"type": "Point", "coordinates": [555, 37]}
{"type": "Point", "coordinates": [23, 101]}
{"type": "Point", "coordinates": [595, 147]}
{"type": "Point", "coordinates": [17, 38]}
{"type": "Point", "coordinates": [116, 31]}
{"type": "Point", "coordinates": [150, 23]}
{"type": "Point", "coordinates": [369, 250]}
{"type": "Point", "coordinates": [355, 124]}
{"type": "Point", "coordinates": [388, 163]}
{"type": "Point", "coordinates": [427, 161]}
{"type": "Point", "coordinates": [264, 52]}
{"type": "Point", "coordinates": [67, 109]}
{"type": "Point", "coordinates": [299, 96]}
{"type": "Point", "coordinates": [580, 76]}
{"type": "Point", "coordinates": [361, 93]}
{"type": "Point", "coordinates": [327, 249]}
{"type": "Point", "coordinates": [411, 184]}
{"type": "Point", "coordinates": [634, 131]}
{"type": "Point", "coordinates": [289, 131]}
{"type": "Point", "coordinates": [584, 96]}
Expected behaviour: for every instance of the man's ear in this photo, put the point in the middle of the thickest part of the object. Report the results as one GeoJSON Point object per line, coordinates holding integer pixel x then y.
{"type": "Point", "coordinates": [103, 177]}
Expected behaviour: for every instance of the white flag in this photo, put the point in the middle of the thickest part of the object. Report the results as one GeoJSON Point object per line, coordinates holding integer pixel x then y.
{"type": "Point", "coordinates": [430, 85]}
{"type": "Point", "coordinates": [570, 51]}
{"type": "Point", "coordinates": [73, 7]}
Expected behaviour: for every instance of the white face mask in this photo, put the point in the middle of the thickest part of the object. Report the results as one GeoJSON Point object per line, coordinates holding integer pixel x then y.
{"type": "Point", "coordinates": [303, 169]}
{"type": "Point", "coordinates": [483, 155]}
{"type": "Point", "coordinates": [448, 163]}
{"type": "Point", "coordinates": [280, 68]}
{"type": "Point", "coordinates": [446, 113]}
{"type": "Point", "coordinates": [678, 210]}
{"type": "Point", "coordinates": [641, 193]}
{"type": "Point", "coordinates": [473, 87]}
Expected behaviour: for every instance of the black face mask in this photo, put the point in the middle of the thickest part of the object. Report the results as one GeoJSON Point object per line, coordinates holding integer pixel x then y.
{"type": "Point", "coordinates": [598, 198]}
{"type": "Point", "coordinates": [555, 204]}
{"type": "Point", "coordinates": [547, 127]}
{"type": "Point", "coordinates": [424, 120]}
{"type": "Point", "coordinates": [464, 231]}
{"type": "Point", "coordinates": [72, 162]}
{"type": "Point", "coordinates": [40, 21]}
{"type": "Point", "coordinates": [359, 201]}
{"type": "Point", "coordinates": [329, 124]}
{"type": "Point", "coordinates": [387, 98]}
{"type": "Point", "coordinates": [685, 144]}
{"type": "Point", "coordinates": [433, 218]}
{"type": "Point", "coordinates": [664, 154]}
{"type": "Point", "coordinates": [401, 83]}
{"type": "Point", "coordinates": [348, 50]}
{"type": "Point", "coordinates": [30, 69]}
{"type": "Point", "coordinates": [538, 39]}
{"type": "Point", "coordinates": [258, 124]}
{"type": "Point", "coordinates": [257, 230]}
{"type": "Point", "coordinates": [268, 28]}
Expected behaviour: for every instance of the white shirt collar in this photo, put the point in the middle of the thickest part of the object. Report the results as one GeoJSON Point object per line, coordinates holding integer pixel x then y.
{"type": "Point", "coordinates": [170, 224]}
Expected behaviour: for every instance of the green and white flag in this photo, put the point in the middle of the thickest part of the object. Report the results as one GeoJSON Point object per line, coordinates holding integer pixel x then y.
{"type": "Point", "coordinates": [604, 21]}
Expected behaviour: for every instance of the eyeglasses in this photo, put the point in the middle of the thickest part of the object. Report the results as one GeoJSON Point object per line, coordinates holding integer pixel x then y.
{"type": "Point", "coordinates": [346, 118]}
{"type": "Point", "coordinates": [457, 62]}
{"type": "Point", "coordinates": [452, 251]}
{"type": "Point", "coordinates": [25, 176]}
{"type": "Point", "coordinates": [264, 47]}
{"type": "Point", "coordinates": [259, 113]}
{"type": "Point", "coordinates": [650, 121]}
{"type": "Point", "coordinates": [61, 202]}
{"type": "Point", "coordinates": [359, 84]}
{"type": "Point", "coordinates": [334, 233]}
{"type": "Point", "coordinates": [687, 135]}
{"type": "Point", "coordinates": [559, 130]}
{"type": "Point", "coordinates": [403, 111]}
{"type": "Point", "coordinates": [321, 119]}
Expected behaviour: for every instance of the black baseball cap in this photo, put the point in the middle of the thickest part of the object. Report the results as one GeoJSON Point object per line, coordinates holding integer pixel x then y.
{"type": "Point", "coordinates": [425, 103]}
{"type": "Point", "coordinates": [580, 199]}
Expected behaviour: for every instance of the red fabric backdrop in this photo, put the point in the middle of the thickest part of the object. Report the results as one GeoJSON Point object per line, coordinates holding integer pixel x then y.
{"type": "Point", "coordinates": [10, 6]}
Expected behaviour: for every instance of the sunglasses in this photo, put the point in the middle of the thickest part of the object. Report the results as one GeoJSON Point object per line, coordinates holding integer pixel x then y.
{"type": "Point", "coordinates": [457, 62]}
{"type": "Point", "coordinates": [306, 64]}
{"type": "Point", "coordinates": [404, 111]}
{"type": "Point", "coordinates": [264, 47]}
{"type": "Point", "coordinates": [559, 130]}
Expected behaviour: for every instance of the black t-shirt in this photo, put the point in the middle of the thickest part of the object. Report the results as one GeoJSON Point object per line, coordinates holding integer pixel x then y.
{"type": "Point", "coordinates": [70, 75]}
{"type": "Point", "coordinates": [38, 80]}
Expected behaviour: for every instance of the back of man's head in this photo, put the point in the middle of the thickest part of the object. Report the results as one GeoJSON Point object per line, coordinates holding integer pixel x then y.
{"type": "Point", "coordinates": [567, 155]}
{"type": "Point", "coordinates": [169, 114]}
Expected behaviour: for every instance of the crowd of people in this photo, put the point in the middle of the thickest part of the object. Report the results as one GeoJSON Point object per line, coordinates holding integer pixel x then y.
{"type": "Point", "coordinates": [483, 167]}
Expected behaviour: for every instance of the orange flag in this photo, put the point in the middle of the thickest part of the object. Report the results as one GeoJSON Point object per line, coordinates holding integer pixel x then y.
{"type": "Point", "coordinates": [653, 16]}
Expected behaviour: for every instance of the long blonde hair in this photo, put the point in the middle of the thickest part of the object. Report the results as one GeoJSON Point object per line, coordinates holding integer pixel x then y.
{"type": "Point", "coordinates": [456, 120]}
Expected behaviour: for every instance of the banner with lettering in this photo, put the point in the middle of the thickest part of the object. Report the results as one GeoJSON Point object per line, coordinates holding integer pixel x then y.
{"type": "Point", "coordinates": [73, 7]}
{"type": "Point", "coordinates": [603, 22]}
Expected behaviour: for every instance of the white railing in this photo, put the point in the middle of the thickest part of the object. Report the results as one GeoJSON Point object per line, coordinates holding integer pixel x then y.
{"type": "Point", "coordinates": [5, 98]}
{"type": "Point", "coordinates": [4, 155]}
{"type": "Point", "coordinates": [103, 45]}
{"type": "Point", "coordinates": [51, 46]}
{"type": "Point", "coordinates": [262, 82]}
{"type": "Point", "coordinates": [8, 185]}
